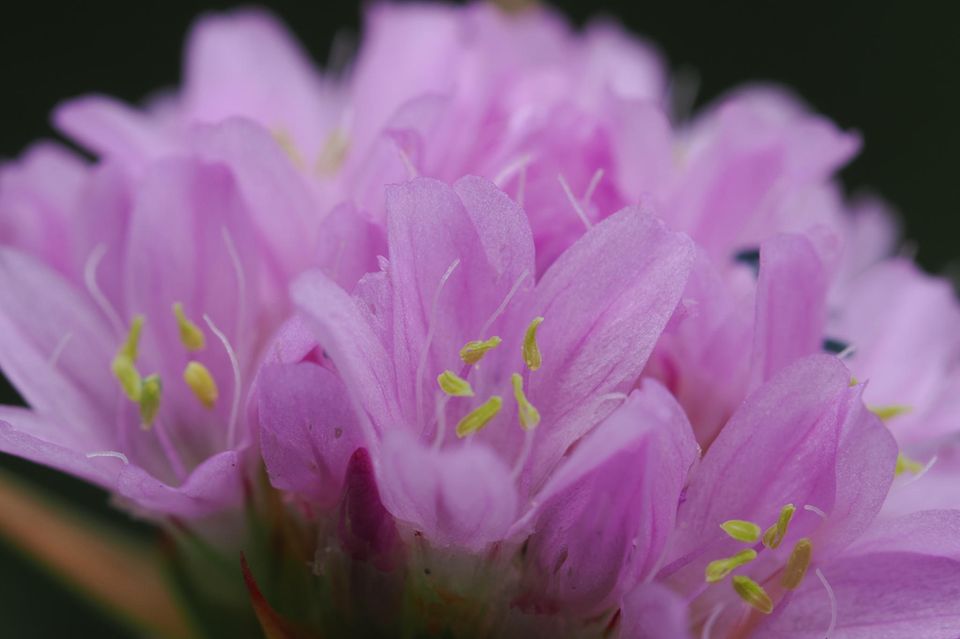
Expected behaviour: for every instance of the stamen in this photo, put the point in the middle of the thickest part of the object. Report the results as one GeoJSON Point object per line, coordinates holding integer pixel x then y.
{"type": "Point", "coordinates": [833, 604]}
{"type": "Point", "coordinates": [774, 535]}
{"type": "Point", "coordinates": [531, 352]}
{"type": "Point", "coordinates": [200, 381]}
{"type": "Point", "coordinates": [235, 365]}
{"type": "Point", "coordinates": [529, 415]}
{"type": "Point", "coordinates": [797, 564]}
{"type": "Point", "coordinates": [720, 568]}
{"type": "Point", "coordinates": [108, 453]}
{"type": "Point", "coordinates": [131, 345]}
{"type": "Point", "coordinates": [150, 400]}
{"type": "Point", "coordinates": [334, 153]}
{"type": "Point", "coordinates": [473, 352]}
{"type": "Point", "coordinates": [886, 413]}
{"type": "Point", "coordinates": [190, 334]}
{"type": "Point", "coordinates": [285, 141]}
{"type": "Point", "coordinates": [454, 385]}
{"type": "Point", "coordinates": [753, 593]}
{"type": "Point", "coordinates": [742, 530]}
{"type": "Point", "coordinates": [90, 281]}
{"type": "Point", "coordinates": [907, 465]}
{"type": "Point", "coordinates": [126, 373]}
{"type": "Point", "coordinates": [480, 416]}
{"type": "Point", "coordinates": [578, 209]}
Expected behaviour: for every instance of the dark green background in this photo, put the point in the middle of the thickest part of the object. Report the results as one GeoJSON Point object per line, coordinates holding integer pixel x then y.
{"type": "Point", "coordinates": [887, 69]}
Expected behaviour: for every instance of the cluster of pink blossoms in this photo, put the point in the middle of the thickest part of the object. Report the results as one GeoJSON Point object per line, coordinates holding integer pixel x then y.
{"type": "Point", "coordinates": [523, 354]}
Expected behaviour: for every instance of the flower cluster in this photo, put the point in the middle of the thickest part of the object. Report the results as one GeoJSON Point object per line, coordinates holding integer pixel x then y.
{"type": "Point", "coordinates": [522, 351]}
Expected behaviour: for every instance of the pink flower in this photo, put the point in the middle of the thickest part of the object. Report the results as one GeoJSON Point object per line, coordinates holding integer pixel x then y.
{"type": "Point", "coordinates": [525, 353]}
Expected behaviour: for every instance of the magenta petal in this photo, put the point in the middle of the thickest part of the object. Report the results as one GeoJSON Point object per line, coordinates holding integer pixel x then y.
{"type": "Point", "coordinates": [605, 302]}
{"type": "Point", "coordinates": [55, 347]}
{"type": "Point", "coordinates": [478, 248]}
{"type": "Point", "coordinates": [803, 438]}
{"type": "Point", "coordinates": [246, 63]}
{"type": "Point", "coordinates": [791, 304]}
{"type": "Point", "coordinates": [308, 429]}
{"type": "Point", "coordinates": [887, 595]}
{"type": "Point", "coordinates": [606, 514]}
{"type": "Point", "coordinates": [462, 497]}
{"type": "Point", "coordinates": [30, 437]}
{"type": "Point", "coordinates": [652, 611]}
{"type": "Point", "coordinates": [361, 360]}
{"type": "Point", "coordinates": [113, 130]}
{"type": "Point", "coordinates": [367, 531]}
{"type": "Point", "coordinates": [215, 484]}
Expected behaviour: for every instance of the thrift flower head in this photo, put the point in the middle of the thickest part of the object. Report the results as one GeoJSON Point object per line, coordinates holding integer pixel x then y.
{"type": "Point", "coordinates": [522, 350]}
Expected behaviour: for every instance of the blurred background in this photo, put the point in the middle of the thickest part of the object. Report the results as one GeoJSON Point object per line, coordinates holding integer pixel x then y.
{"type": "Point", "coordinates": [886, 69]}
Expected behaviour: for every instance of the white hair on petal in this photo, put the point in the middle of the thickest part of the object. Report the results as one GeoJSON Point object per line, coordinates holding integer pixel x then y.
{"type": "Point", "coordinates": [503, 305]}
{"type": "Point", "coordinates": [714, 615]}
{"type": "Point", "coordinates": [923, 471]}
{"type": "Point", "coordinates": [592, 187]}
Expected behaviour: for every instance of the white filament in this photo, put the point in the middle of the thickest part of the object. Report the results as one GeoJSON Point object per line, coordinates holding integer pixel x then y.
{"type": "Point", "coordinates": [58, 349]}
{"type": "Point", "coordinates": [833, 604]}
{"type": "Point", "coordinates": [422, 364]}
{"type": "Point", "coordinates": [923, 471]}
{"type": "Point", "coordinates": [815, 510]}
{"type": "Point", "coordinates": [235, 365]}
{"type": "Point", "coordinates": [512, 168]}
{"type": "Point", "coordinates": [708, 626]}
{"type": "Point", "coordinates": [407, 162]}
{"type": "Point", "coordinates": [503, 305]}
{"type": "Point", "coordinates": [592, 187]}
{"type": "Point", "coordinates": [90, 280]}
{"type": "Point", "coordinates": [573, 202]}
{"type": "Point", "coordinates": [241, 281]}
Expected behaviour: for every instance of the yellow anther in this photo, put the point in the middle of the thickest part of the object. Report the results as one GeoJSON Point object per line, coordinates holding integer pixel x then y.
{"type": "Point", "coordinates": [529, 415]}
{"type": "Point", "coordinates": [853, 382]}
{"type": "Point", "coordinates": [797, 564]}
{"type": "Point", "coordinates": [753, 593]}
{"type": "Point", "coordinates": [906, 465]}
{"type": "Point", "coordinates": [150, 400]}
{"type": "Point", "coordinates": [531, 352]}
{"type": "Point", "coordinates": [774, 535]}
{"type": "Point", "coordinates": [473, 352]}
{"type": "Point", "coordinates": [285, 140]}
{"type": "Point", "coordinates": [334, 153]}
{"type": "Point", "coordinates": [479, 416]}
{"type": "Point", "coordinates": [889, 412]}
{"type": "Point", "coordinates": [126, 373]}
{"type": "Point", "coordinates": [200, 381]}
{"type": "Point", "coordinates": [132, 343]}
{"type": "Point", "coordinates": [190, 334]}
{"type": "Point", "coordinates": [454, 385]}
{"type": "Point", "coordinates": [720, 568]}
{"type": "Point", "coordinates": [741, 530]}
